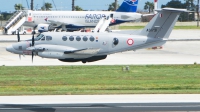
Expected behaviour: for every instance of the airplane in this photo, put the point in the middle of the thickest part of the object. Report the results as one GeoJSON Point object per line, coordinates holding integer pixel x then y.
{"type": "Point", "coordinates": [76, 20]}
{"type": "Point", "coordinates": [90, 47]}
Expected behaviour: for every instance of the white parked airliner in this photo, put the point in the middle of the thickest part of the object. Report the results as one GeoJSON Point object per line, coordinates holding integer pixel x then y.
{"type": "Point", "coordinates": [73, 20]}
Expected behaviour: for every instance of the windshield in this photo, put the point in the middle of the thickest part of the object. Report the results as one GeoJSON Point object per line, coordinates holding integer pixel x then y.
{"type": "Point", "coordinates": [39, 37]}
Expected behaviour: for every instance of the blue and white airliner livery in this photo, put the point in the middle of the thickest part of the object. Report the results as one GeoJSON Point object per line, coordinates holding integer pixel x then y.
{"type": "Point", "coordinates": [73, 20]}
{"type": "Point", "coordinates": [128, 6]}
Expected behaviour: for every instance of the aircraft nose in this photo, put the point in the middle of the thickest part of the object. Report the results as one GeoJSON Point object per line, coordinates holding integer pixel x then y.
{"type": "Point", "coordinates": [10, 48]}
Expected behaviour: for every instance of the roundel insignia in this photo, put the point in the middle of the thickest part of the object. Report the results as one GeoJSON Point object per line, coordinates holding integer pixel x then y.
{"type": "Point", "coordinates": [130, 42]}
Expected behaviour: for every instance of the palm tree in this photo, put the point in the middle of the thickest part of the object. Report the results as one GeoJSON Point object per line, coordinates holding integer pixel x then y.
{"type": "Point", "coordinates": [31, 4]}
{"type": "Point", "coordinates": [77, 8]}
{"type": "Point", "coordinates": [73, 7]}
{"type": "Point", "coordinates": [149, 6]}
{"type": "Point", "coordinates": [115, 4]}
{"type": "Point", "coordinates": [47, 6]}
{"type": "Point", "coordinates": [197, 13]}
{"type": "Point", "coordinates": [18, 7]}
{"type": "Point", "coordinates": [112, 6]}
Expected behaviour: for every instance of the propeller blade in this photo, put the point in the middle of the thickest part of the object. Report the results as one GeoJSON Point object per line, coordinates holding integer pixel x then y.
{"type": "Point", "coordinates": [33, 41]}
{"type": "Point", "coordinates": [18, 36]}
{"type": "Point", "coordinates": [19, 56]}
{"type": "Point", "coordinates": [32, 56]}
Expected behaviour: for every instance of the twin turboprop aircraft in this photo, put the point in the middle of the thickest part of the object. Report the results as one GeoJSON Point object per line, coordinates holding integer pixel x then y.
{"type": "Point", "coordinates": [90, 47]}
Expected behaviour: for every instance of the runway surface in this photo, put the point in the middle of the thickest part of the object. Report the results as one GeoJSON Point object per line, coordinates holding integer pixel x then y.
{"type": "Point", "coordinates": [100, 103]}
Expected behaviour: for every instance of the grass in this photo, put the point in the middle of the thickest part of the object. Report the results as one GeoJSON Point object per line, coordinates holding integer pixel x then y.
{"type": "Point", "coordinates": [141, 27]}
{"type": "Point", "coordinates": [62, 80]}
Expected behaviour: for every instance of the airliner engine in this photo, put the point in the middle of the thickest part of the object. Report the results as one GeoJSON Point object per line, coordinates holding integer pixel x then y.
{"type": "Point", "coordinates": [43, 28]}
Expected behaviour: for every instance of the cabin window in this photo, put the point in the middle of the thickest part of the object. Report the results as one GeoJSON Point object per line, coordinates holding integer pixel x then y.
{"type": "Point", "coordinates": [71, 38]}
{"type": "Point", "coordinates": [85, 38]}
{"type": "Point", "coordinates": [115, 41]}
{"type": "Point", "coordinates": [78, 38]}
{"type": "Point", "coordinates": [48, 38]}
{"type": "Point", "coordinates": [91, 38]}
{"type": "Point", "coordinates": [64, 38]}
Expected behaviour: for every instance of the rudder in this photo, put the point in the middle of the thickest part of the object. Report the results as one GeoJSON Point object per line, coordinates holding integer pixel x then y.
{"type": "Point", "coordinates": [128, 6]}
{"type": "Point", "coordinates": [162, 23]}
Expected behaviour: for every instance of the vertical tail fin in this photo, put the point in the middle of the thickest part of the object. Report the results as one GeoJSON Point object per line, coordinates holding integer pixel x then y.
{"type": "Point", "coordinates": [162, 23]}
{"type": "Point", "coordinates": [128, 6]}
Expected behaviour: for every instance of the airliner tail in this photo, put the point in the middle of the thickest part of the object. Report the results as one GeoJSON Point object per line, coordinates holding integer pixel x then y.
{"type": "Point", "coordinates": [128, 6]}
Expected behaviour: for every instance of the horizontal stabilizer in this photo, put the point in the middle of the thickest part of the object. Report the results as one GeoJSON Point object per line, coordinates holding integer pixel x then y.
{"type": "Point", "coordinates": [172, 9]}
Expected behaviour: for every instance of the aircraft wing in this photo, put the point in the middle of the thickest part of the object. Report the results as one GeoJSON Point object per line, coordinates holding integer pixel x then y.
{"type": "Point", "coordinates": [57, 23]}
{"type": "Point", "coordinates": [87, 51]}
{"type": "Point", "coordinates": [65, 49]}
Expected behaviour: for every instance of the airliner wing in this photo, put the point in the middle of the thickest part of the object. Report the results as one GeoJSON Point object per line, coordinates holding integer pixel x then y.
{"type": "Point", "coordinates": [57, 23]}
{"type": "Point", "coordinates": [87, 51]}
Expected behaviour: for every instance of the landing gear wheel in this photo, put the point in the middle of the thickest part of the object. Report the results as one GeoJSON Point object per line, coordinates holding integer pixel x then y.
{"type": "Point", "coordinates": [84, 61]}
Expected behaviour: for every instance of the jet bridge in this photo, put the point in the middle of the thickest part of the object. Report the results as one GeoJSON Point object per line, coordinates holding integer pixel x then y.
{"type": "Point", "coordinates": [15, 22]}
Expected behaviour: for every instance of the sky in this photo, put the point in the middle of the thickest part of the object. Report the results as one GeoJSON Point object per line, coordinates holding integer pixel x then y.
{"type": "Point", "coordinates": [8, 5]}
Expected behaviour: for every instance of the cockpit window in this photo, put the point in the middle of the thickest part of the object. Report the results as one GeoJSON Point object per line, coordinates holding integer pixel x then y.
{"type": "Point", "coordinates": [48, 38]}
{"type": "Point", "coordinates": [39, 37]}
{"type": "Point", "coordinates": [43, 38]}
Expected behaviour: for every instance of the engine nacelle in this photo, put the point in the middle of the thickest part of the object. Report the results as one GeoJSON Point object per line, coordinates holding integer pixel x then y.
{"type": "Point", "coordinates": [43, 27]}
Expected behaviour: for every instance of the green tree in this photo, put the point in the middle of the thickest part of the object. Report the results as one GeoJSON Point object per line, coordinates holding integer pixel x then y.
{"type": "Point", "coordinates": [112, 6]}
{"type": "Point", "coordinates": [189, 4]}
{"type": "Point", "coordinates": [18, 7]}
{"type": "Point", "coordinates": [149, 6]}
{"type": "Point", "coordinates": [77, 8]}
{"type": "Point", "coordinates": [174, 4]}
{"type": "Point", "coordinates": [197, 11]}
{"type": "Point", "coordinates": [47, 6]}
{"type": "Point", "coordinates": [6, 16]}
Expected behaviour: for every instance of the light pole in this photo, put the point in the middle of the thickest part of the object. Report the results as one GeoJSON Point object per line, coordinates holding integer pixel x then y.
{"type": "Point", "coordinates": [31, 4]}
{"type": "Point", "coordinates": [115, 4]}
{"type": "Point", "coordinates": [1, 20]}
{"type": "Point", "coordinates": [197, 8]}
{"type": "Point", "coordinates": [73, 5]}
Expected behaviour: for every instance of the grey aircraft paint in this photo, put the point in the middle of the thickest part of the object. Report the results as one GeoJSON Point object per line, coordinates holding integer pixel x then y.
{"type": "Point", "coordinates": [89, 47]}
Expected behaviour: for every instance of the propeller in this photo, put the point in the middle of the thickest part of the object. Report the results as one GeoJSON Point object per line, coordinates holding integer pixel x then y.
{"type": "Point", "coordinates": [18, 39]}
{"type": "Point", "coordinates": [33, 43]}
{"type": "Point", "coordinates": [18, 36]}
